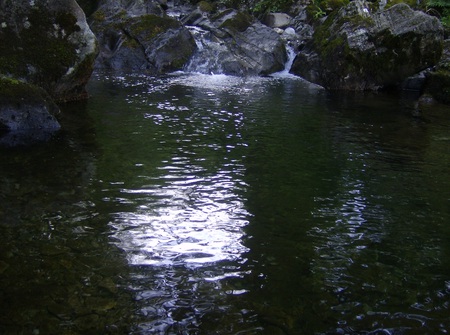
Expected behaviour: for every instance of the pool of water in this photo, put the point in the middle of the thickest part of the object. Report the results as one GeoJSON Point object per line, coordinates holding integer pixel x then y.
{"type": "Point", "coordinates": [209, 204]}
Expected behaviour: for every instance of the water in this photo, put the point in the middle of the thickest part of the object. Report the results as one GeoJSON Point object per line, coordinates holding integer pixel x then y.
{"type": "Point", "coordinates": [199, 204]}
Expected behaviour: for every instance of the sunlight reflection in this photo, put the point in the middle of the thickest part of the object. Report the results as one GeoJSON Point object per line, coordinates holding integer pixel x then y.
{"type": "Point", "coordinates": [187, 221]}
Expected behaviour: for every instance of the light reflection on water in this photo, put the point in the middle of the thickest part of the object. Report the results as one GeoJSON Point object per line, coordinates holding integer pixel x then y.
{"type": "Point", "coordinates": [193, 221]}
{"type": "Point", "coordinates": [194, 204]}
{"type": "Point", "coordinates": [188, 220]}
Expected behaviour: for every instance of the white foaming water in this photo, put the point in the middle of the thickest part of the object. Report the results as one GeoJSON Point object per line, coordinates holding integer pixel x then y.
{"type": "Point", "coordinates": [287, 67]}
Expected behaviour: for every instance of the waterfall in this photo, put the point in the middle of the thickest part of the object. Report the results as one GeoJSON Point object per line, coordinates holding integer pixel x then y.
{"type": "Point", "coordinates": [287, 66]}
{"type": "Point", "coordinates": [206, 59]}
{"type": "Point", "coordinates": [214, 57]}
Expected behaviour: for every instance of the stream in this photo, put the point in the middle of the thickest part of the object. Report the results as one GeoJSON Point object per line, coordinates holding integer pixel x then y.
{"type": "Point", "coordinates": [210, 204]}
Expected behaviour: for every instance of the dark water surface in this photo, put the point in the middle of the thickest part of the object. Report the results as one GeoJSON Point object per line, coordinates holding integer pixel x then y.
{"type": "Point", "coordinates": [199, 204]}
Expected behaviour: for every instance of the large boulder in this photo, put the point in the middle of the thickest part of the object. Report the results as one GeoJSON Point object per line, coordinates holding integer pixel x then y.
{"type": "Point", "coordinates": [139, 36]}
{"type": "Point", "coordinates": [27, 113]}
{"type": "Point", "coordinates": [232, 42]}
{"type": "Point", "coordinates": [48, 44]}
{"type": "Point", "coordinates": [356, 50]}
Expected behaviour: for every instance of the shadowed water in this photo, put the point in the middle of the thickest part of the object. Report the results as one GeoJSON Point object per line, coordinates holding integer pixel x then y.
{"type": "Point", "coordinates": [209, 204]}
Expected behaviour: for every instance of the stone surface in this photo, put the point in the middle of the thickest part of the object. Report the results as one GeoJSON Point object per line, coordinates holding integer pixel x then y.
{"type": "Point", "coordinates": [233, 43]}
{"type": "Point", "coordinates": [437, 82]}
{"type": "Point", "coordinates": [138, 36]}
{"type": "Point", "coordinates": [356, 50]}
{"type": "Point", "coordinates": [277, 20]}
{"type": "Point", "coordinates": [48, 44]}
{"type": "Point", "coordinates": [27, 113]}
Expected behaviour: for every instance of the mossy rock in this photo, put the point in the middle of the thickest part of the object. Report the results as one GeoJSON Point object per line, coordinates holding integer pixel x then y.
{"type": "Point", "coordinates": [48, 45]}
{"type": "Point", "coordinates": [25, 107]}
{"type": "Point", "coordinates": [358, 50]}
{"type": "Point", "coordinates": [438, 85]}
{"type": "Point", "coordinates": [205, 6]}
{"type": "Point", "coordinates": [411, 3]}
{"type": "Point", "coordinates": [233, 20]}
{"type": "Point", "coordinates": [147, 27]}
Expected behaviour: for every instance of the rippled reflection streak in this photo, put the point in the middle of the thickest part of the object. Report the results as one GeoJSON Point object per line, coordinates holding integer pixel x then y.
{"type": "Point", "coordinates": [184, 236]}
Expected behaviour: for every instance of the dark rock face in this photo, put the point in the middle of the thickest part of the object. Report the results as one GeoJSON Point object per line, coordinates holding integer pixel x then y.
{"type": "Point", "coordinates": [356, 50]}
{"type": "Point", "coordinates": [140, 37]}
{"type": "Point", "coordinates": [48, 44]}
{"type": "Point", "coordinates": [233, 43]}
{"type": "Point", "coordinates": [27, 113]}
{"type": "Point", "coordinates": [437, 82]}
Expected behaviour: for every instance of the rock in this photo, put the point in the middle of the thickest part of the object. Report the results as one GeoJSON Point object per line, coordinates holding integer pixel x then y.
{"type": "Point", "coordinates": [356, 50]}
{"type": "Point", "coordinates": [277, 20]}
{"type": "Point", "coordinates": [130, 39]}
{"type": "Point", "coordinates": [48, 44]}
{"type": "Point", "coordinates": [437, 82]}
{"type": "Point", "coordinates": [233, 43]}
{"type": "Point", "coordinates": [27, 113]}
{"type": "Point", "coordinates": [415, 82]}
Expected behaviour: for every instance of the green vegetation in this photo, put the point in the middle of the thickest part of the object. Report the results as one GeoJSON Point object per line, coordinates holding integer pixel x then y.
{"type": "Point", "coordinates": [12, 91]}
{"type": "Point", "coordinates": [148, 26]}
{"type": "Point", "coordinates": [319, 8]}
{"type": "Point", "coordinates": [442, 7]}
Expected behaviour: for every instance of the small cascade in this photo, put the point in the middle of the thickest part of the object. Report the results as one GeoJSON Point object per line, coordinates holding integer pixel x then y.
{"type": "Point", "coordinates": [287, 67]}
{"type": "Point", "coordinates": [206, 59]}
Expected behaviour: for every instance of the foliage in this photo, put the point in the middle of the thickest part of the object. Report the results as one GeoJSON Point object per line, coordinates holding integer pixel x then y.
{"type": "Point", "coordinates": [319, 8]}
{"type": "Point", "coordinates": [263, 6]}
{"type": "Point", "coordinates": [443, 8]}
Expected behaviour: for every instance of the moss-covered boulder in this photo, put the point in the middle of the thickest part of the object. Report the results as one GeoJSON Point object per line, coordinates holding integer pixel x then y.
{"type": "Point", "coordinates": [140, 37]}
{"type": "Point", "coordinates": [355, 49]}
{"type": "Point", "coordinates": [48, 44]}
{"type": "Point", "coordinates": [27, 113]}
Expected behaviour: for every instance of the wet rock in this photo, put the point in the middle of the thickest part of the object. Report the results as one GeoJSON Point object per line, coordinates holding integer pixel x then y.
{"type": "Point", "coordinates": [27, 113]}
{"type": "Point", "coordinates": [140, 37]}
{"type": "Point", "coordinates": [355, 49]}
{"type": "Point", "coordinates": [234, 43]}
{"type": "Point", "coordinates": [437, 84]}
{"type": "Point", "coordinates": [48, 44]}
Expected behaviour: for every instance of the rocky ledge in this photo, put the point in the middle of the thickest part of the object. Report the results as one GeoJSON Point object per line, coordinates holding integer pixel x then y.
{"type": "Point", "coordinates": [47, 52]}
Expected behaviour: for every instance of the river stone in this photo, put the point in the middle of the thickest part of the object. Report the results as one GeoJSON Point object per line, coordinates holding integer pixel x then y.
{"type": "Point", "coordinates": [277, 20]}
{"type": "Point", "coordinates": [131, 41]}
{"type": "Point", "coordinates": [27, 113]}
{"type": "Point", "coordinates": [356, 50]}
{"type": "Point", "coordinates": [48, 44]}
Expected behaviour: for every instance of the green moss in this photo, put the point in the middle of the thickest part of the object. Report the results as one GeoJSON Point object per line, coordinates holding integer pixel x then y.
{"type": "Point", "coordinates": [240, 22]}
{"type": "Point", "coordinates": [411, 3]}
{"type": "Point", "coordinates": [99, 16]}
{"type": "Point", "coordinates": [42, 52]}
{"type": "Point", "coordinates": [205, 6]}
{"type": "Point", "coordinates": [13, 91]}
{"type": "Point", "coordinates": [438, 85]}
{"type": "Point", "coordinates": [149, 26]}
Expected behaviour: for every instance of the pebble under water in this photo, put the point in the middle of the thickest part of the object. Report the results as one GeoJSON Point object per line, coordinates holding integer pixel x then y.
{"type": "Point", "coordinates": [210, 204]}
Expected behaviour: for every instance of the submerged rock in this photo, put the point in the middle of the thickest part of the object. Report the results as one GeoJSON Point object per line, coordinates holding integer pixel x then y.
{"type": "Point", "coordinates": [140, 37]}
{"type": "Point", "coordinates": [48, 44]}
{"type": "Point", "coordinates": [356, 50]}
